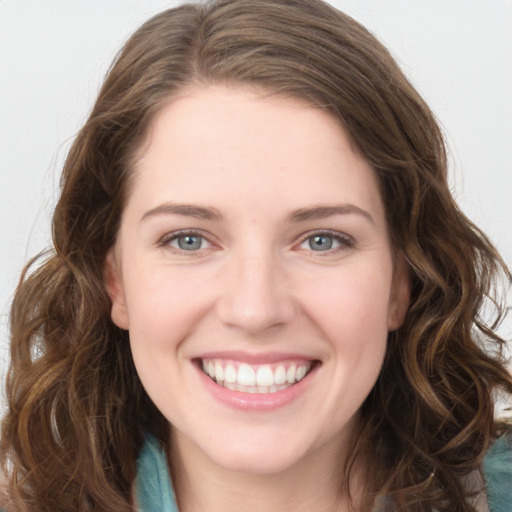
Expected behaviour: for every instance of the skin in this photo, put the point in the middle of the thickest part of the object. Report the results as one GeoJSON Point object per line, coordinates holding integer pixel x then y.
{"type": "Point", "coordinates": [256, 284]}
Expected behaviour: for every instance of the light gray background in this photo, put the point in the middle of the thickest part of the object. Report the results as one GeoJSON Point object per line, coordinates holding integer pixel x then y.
{"type": "Point", "coordinates": [54, 54]}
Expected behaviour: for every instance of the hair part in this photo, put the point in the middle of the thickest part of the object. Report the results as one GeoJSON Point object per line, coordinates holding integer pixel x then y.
{"type": "Point", "coordinates": [72, 384]}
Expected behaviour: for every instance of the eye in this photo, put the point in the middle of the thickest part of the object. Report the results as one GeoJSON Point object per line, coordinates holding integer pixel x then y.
{"type": "Point", "coordinates": [320, 242]}
{"type": "Point", "coordinates": [189, 242]}
{"type": "Point", "coordinates": [326, 241]}
{"type": "Point", "coordinates": [185, 241]}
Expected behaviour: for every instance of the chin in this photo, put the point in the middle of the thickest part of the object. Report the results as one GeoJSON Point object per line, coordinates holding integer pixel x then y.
{"type": "Point", "coordinates": [247, 451]}
{"type": "Point", "coordinates": [255, 462]}
{"type": "Point", "coordinates": [267, 453]}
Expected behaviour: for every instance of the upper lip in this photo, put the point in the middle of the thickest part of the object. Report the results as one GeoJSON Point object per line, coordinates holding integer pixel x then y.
{"type": "Point", "coordinates": [255, 358]}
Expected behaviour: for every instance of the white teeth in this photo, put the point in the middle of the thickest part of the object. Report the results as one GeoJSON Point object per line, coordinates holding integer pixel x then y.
{"type": "Point", "coordinates": [246, 375]}
{"type": "Point", "coordinates": [219, 372]}
{"type": "Point", "coordinates": [280, 375]}
{"type": "Point", "coordinates": [254, 379]}
{"type": "Point", "coordinates": [301, 373]}
{"type": "Point", "coordinates": [265, 376]}
{"type": "Point", "coordinates": [211, 369]}
{"type": "Point", "coordinates": [253, 389]}
{"type": "Point", "coordinates": [230, 374]}
{"type": "Point", "coordinates": [290, 374]}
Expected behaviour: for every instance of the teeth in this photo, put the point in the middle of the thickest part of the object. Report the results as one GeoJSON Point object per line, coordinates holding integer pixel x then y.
{"type": "Point", "coordinates": [253, 389]}
{"type": "Point", "coordinates": [219, 372]}
{"type": "Point", "coordinates": [301, 373]}
{"type": "Point", "coordinates": [280, 375]}
{"type": "Point", "coordinates": [265, 376]}
{"type": "Point", "coordinates": [230, 374]}
{"type": "Point", "coordinates": [290, 374]}
{"type": "Point", "coordinates": [211, 369]}
{"type": "Point", "coordinates": [255, 379]}
{"type": "Point", "coordinates": [246, 375]}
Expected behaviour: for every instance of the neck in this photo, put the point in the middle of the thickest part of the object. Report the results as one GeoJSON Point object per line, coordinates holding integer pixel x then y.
{"type": "Point", "coordinates": [316, 483]}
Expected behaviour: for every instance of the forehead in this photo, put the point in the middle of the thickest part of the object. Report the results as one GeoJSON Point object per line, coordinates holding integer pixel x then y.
{"type": "Point", "coordinates": [210, 142]}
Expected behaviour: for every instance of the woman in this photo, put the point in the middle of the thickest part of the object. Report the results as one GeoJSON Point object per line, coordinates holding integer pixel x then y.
{"type": "Point", "coordinates": [261, 290]}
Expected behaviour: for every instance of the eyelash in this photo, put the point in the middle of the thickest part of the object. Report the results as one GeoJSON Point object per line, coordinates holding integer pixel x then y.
{"type": "Point", "coordinates": [167, 239]}
{"type": "Point", "coordinates": [344, 241]}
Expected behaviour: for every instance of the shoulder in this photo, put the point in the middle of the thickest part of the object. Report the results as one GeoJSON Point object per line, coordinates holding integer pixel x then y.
{"type": "Point", "coordinates": [497, 469]}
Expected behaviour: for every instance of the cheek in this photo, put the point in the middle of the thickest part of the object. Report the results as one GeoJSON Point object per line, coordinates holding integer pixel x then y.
{"type": "Point", "coordinates": [353, 316]}
{"type": "Point", "coordinates": [163, 307]}
{"type": "Point", "coordinates": [352, 307]}
{"type": "Point", "coordinates": [164, 303]}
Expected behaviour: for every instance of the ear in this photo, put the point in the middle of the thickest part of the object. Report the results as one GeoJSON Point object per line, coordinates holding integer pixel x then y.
{"type": "Point", "coordinates": [114, 285]}
{"type": "Point", "coordinates": [400, 294]}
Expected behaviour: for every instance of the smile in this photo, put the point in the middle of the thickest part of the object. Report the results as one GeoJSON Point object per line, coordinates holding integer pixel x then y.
{"type": "Point", "coordinates": [262, 379]}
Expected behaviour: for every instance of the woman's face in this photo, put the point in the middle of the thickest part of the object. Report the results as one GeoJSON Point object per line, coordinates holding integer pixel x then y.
{"type": "Point", "coordinates": [254, 272]}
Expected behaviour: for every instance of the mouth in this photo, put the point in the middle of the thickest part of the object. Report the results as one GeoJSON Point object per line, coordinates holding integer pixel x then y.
{"type": "Point", "coordinates": [255, 378]}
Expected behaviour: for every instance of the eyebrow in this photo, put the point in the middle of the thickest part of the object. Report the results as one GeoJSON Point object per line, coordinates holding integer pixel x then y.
{"type": "Point", "coordinates": [186, 210]}
{"type": "Point", "coordinates": [300, 215]}
{"type": "Point", "coordinates": [322, 212]}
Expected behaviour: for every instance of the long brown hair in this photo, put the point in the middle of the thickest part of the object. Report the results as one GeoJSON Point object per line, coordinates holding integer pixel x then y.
{"type": "Point", "coordinates": [77, 413]}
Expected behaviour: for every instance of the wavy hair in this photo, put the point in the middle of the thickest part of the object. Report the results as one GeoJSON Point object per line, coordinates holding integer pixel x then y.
{"type": "Point", "coordinates": [77, 413]}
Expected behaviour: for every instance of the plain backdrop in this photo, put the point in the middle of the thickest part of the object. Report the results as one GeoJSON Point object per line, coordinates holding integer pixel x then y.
{"type": "Point", "coordinates": [54, 54]}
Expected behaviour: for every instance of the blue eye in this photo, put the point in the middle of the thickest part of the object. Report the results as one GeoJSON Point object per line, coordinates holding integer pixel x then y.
{"type": "Point", "coordinates": [320, 242]}
{"type": "Point", "coordinates": [189, 242]}
{"type": "Point", "coordinates": [323, 242]}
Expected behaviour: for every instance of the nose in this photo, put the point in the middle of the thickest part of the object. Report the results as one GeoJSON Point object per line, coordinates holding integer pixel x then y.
{"type": "Point", "coordinates": [256, 296]}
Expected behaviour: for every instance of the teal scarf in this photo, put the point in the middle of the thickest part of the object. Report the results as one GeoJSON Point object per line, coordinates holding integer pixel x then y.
{"type": "Point", "coordinates": [154, 492]}
{"type": "Point", "coordinates": [498, 475]}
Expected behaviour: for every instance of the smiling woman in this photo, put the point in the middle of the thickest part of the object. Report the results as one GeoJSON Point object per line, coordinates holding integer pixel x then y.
{"type": "Point", "coordinates": [253, 293]}
{"type": "Point", "coordinates": [262, 295]}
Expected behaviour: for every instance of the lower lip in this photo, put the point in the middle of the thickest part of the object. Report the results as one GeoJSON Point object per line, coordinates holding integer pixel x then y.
{"type": "Point", "coordinates": [257, 401]}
